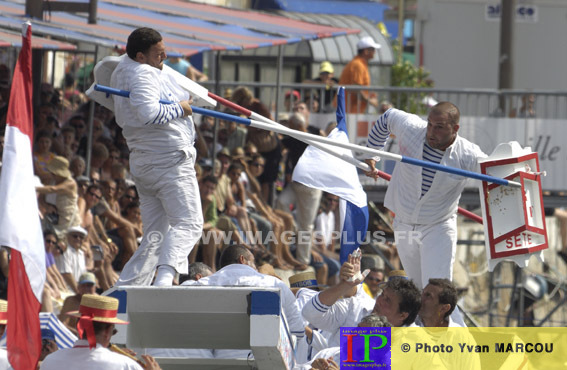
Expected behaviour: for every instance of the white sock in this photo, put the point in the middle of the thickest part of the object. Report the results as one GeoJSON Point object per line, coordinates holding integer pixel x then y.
{"type": "Point", "coordinates": [165, 275]}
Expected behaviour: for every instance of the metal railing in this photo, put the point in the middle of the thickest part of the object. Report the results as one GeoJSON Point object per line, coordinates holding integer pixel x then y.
{"type": "Point", "coordinates": [471, 102]}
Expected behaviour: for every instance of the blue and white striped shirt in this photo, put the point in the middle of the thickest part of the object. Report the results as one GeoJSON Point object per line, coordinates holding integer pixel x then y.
{"type": "Point", "coordinates": [427, 174]}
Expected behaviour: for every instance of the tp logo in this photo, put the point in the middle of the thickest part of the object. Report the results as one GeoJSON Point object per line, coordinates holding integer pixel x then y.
{"type": "Point", "coordinates": [363, 348]}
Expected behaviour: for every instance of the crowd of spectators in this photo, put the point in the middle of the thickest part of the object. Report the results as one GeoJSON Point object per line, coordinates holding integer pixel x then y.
{"type": "Point", "coordinates": [90, 212]}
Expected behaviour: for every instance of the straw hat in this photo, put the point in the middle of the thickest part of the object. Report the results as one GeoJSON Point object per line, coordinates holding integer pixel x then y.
{"type": "Point", "coordinates": [59, 166]}
{"type": "Point", "coordinates": [304, 280]}
{"type": "Point", "coordinates": [3, 312]}
{"type": "Point", "coordinates": [395, 274]}
{"type": "Point", "coordinates": [98, 308]}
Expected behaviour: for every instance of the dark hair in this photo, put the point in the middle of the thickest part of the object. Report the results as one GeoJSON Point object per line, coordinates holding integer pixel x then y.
{"type": "Point", "coordinates": [235, 166]}
{"type": "Point", "coordinates": [131, 205]}
{"type": "Point", "coordinates": [194, 269]}
{"type": "Point", "coordinates": [211, 179]}
{"type": "Point", "coordinates": [50, 232]}
{"type": "Point", "coordinates": [94, 187]}
{"type": "Point", "coordinates": [409, 295]}
{"type": "Point", "coordinates": [41, 134]}
{"type": "Point", "coordinates": [448, 293]}
{"type": "Point", "coordinates": [232, 253]}
{"type": "Point", "coordinates": [141, 40]}
{"type": "Point", "coordinates": [98, 327]}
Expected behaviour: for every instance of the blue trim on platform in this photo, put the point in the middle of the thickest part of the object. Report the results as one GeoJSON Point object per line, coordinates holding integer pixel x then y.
{"type": "Point", "coordinates": [265, 303]}
{"type": "Point", "coordinates": [122, 297]}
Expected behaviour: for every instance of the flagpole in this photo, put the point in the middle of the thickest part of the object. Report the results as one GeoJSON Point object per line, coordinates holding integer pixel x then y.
{"type": "Point", "coordinates": [303, 135]}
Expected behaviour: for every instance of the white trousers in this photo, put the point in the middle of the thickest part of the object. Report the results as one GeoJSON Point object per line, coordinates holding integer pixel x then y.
{"type": "Point", "coordinates": [171, 213]}
{"type": "Point", "coordinates": [427, 251]}
{"type": "Point", "coordinates": [306, 202]}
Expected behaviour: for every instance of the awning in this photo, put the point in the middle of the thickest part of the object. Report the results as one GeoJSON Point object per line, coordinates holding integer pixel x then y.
{"type": "Point", "coordinates": [10, 39]}
{"type": "Point", "coordinates": [342, 49]}
{"type": "Point", "coordinates": [188, 28]}
{"type": "Point", "coordinates": [371, 10]}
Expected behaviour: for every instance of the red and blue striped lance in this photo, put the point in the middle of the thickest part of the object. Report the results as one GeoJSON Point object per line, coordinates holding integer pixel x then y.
{"type": "Point", "coordinates": [314, 138]}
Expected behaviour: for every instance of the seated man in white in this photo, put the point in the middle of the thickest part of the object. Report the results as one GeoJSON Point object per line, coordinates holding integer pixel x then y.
{"type": "Point", "coordinates": [238, 268]}
{"type": "Point", "coordinates": [304, 285]}
{"type": "Point", "coordinates": [399, 303]}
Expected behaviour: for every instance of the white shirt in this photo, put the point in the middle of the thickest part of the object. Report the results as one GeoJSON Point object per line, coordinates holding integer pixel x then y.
{"type": "Point", "coordinates": [403, 196]}
{"type": "Point", "coordinates": [80, 356]}
{"type": "Point", "coordinates": [72, 261]}
{"type": "Point", "coordinates": [344, 312]}
{"type": "Point", "coordinates": [244, 275]}
{"type": "Point", "coordinates": [324, 226]}
{"type": "Point", "coordinates": [4, 363]}
{"type": "Point", "coordinates": [148, 125]}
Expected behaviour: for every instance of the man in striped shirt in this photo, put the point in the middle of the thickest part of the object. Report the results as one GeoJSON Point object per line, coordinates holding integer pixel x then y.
{"type": "Point", "coordinates": [425, 201]}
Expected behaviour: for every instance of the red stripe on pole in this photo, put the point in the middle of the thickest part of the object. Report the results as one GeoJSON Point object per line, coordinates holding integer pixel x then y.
{"type": "Point", "coordinates": [462, 211]}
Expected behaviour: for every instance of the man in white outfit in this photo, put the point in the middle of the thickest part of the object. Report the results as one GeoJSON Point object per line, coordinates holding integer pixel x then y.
{"type": "Point", "coordinates": [238, 268]}
{"type": "Point", "coordinates": [162, 157]}
{"type": "Point", "coordinates": [424, 200]}
{"type": "Point", "coordinates": [345, 304]}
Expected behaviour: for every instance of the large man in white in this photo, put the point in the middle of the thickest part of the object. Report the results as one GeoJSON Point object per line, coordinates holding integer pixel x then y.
{"type": "Point", "coordinates": [424, 200]}
{"type": "Point", "coordinates": [162, 158]}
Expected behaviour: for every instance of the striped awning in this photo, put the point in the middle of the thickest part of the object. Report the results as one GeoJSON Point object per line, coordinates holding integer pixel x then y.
{"type": "Point", "coordinates": [188, 28]}
{"type": "Point", "coordinates": [12, 39]}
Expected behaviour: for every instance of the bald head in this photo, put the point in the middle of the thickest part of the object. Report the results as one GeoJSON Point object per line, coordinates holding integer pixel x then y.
{"type": "Point", "coordinates": [450, 109]}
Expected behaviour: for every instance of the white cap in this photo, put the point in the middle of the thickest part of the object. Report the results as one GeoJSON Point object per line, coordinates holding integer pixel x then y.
{"type": "Point", "coordinates": [367, 42]}
{"type": "Point", "coordinates": [77, 229]}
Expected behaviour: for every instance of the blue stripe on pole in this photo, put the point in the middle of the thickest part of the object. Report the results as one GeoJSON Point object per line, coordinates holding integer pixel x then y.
{"type": "Point", "coordinates": [456, 171]}
{"type": "Point", "coordinates": [225, 116]}
{"type": "Point", "coordinates": [204, 112]}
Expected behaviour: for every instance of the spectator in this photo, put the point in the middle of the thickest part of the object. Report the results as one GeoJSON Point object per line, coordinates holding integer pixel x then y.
{"type": "Point", "coordinates": [283, 258]}
{"type": "Point", "coordinates": [399, 303]}
{"type": "Point", "coordinates": [324, 240]}
{"type": "Point", "coordinates": [211, 241]}
{"type": "Point", "coordinates": [326, 77]}
{"type": "Point", "coordinates": [66, 192]}
{"type": "Point", "coordinates": [305, 199]}
{"type": "Point", "coordinates": [4, 364]}
{"type": "Point", "coordinates": [90, 352]}
{"type": "Point", "coordinates": [71, 263]}
{"type": "Point", "coordinates": [238, 268]}
{"type": "Point", "coordinates": [42, 156]}
{"type": "Point", "coordinates": [290, 99]}
{"type": "Point", "coordinates": [77, 166]}
{"type": "Point", "coordinates": [48, 343]}
{"type": "Point", "coordinates": [372, 282]}
{"type": "Point", "coordinates": [184, 67]}
{"type": "Point", "coordinates": [86, 284]}
{"type": "Point", "coordinates": [197, 270]}
{"type": "Point", "coordinates": [356, 73]}
{"type": "Point", "coordinates": [54, 279]}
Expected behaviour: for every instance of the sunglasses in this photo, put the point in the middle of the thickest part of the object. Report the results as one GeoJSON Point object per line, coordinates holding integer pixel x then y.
{"type": "Point", "coordinates": [374, 279]}
{"type": "Point", "coordinates": [96, 196]}
{"type": "Point", "coordinates": [129, 197]}
{"type": "Point", "coordinates": [49, 241]}
{"type": "Point", "coordinates": [77, 236]}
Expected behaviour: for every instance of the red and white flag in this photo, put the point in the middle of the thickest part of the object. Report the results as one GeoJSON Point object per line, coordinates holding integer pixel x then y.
{"type": "Point", "coordinates": [20, 228]}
